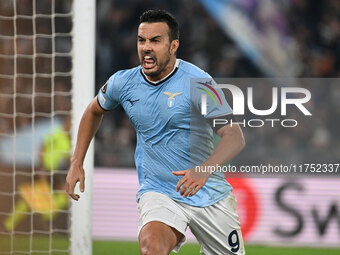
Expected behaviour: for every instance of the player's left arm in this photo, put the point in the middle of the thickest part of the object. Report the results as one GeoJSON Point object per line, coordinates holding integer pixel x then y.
{"type": "Point", "coordinates": [230, 145]}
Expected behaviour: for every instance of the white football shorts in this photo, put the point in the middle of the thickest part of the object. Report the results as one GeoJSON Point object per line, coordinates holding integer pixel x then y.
{"type": "Point", "coordinates": [216, 227]}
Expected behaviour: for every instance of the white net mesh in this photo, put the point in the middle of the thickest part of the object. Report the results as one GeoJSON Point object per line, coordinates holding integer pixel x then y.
{"type": "Point", "coordinates": [35, 110]}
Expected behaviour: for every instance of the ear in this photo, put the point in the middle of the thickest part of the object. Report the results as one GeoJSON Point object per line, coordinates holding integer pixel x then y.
{"type": "Point", "coordinates": [174, 46]}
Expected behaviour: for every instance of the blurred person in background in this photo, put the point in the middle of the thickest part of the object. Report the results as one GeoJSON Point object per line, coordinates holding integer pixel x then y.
{"type": "Point", "coordinates": [38, 197]}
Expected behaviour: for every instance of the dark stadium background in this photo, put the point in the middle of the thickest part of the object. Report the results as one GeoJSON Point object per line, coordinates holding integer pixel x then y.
{"type": "Point", "coordinates": [295, 38]}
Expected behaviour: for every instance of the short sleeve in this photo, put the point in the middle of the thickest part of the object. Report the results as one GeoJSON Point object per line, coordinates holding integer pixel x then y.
{"type": "Point", "coordinates": [108, 95]}
{"type": "Point", "coordinates": [208, 99]}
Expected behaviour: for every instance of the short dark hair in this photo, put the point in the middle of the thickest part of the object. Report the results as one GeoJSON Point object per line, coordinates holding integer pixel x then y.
{"type": "Point", "coordinates": [152, 16]}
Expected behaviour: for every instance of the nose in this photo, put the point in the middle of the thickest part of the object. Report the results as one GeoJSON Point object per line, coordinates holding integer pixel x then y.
{"type": "Point", "coordinates": [146, 46]}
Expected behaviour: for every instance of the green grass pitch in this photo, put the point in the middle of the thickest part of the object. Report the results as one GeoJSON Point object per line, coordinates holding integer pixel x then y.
{"type": "Point", "coordinates": [42, 244]}
{"type": "Point", "coordinates": [129, 248]}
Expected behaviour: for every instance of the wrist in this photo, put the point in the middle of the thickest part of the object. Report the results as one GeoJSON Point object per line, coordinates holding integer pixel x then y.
{"type": "Point", "coordinates": [204, 170]}
{"type": "Point", "coordinates": [76, 161]}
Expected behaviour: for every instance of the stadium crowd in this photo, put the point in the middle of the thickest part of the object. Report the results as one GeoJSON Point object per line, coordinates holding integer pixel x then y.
{"type": "Point", "coordinates": [31, 49]}
{"type": "Point", "coordinates": [35, 103]}
{"type": "Point", "coordinates": [314, 27]}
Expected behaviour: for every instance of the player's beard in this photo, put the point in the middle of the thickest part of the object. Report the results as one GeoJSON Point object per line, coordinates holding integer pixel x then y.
{"type": "Point", "coordinates": [160, 65]}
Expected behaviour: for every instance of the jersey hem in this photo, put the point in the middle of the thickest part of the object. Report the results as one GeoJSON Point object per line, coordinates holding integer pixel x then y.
{"type": "Point", "coordinates": [221, 197]}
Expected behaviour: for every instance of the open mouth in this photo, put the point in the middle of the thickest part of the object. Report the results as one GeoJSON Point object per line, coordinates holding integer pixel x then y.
{"type": "Point", "coordinates": [149, 62]}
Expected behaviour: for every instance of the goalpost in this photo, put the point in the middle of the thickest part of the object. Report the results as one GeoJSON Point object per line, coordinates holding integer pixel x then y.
{"type": "Point", "coordinates": [47, 59]}
{"type": "Point", "coordinates": [83, 84]}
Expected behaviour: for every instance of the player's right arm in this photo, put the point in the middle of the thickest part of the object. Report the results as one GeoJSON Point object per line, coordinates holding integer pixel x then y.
{"type": "Point", "coordinates": [89, 125]}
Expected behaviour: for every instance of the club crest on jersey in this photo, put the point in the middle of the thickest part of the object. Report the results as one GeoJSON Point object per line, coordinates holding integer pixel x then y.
{"type": "Point", "coordinates": [171, 98]}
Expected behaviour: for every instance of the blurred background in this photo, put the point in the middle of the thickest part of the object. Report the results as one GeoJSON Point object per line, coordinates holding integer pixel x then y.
{"type": "Point", "coordinates": [233, 39]}
{"type": "Point", "coordinates": [247, 38]}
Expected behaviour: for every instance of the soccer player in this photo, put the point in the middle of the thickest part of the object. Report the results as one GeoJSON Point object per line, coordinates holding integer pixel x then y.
{"type": "Point", "coordinates": [165, 110]}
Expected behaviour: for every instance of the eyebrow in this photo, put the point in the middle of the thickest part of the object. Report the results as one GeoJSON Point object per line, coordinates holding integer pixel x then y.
{"type": "Point", "coordinates": [153, 38]}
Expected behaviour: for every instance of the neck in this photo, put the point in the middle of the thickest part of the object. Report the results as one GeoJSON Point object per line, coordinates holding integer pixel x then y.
{"type": "Point", "coordinates": [167, 70]}
{"type": "Point", "coordinates": [163, 77]}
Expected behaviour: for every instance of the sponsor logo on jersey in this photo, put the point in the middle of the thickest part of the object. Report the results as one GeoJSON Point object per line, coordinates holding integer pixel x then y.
{"type": "Point", "coordinates": [171, 98]}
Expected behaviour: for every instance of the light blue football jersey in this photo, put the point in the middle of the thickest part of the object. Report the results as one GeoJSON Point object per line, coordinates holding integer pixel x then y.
{"type": "Point", "coordinates": [172, 134]}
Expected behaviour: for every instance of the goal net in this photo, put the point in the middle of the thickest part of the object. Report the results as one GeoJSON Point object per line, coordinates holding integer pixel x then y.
{"type": "Point", "coordinates": [37, 108]}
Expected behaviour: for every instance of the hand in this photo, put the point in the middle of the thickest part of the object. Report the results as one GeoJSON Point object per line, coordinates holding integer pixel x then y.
{"type": "Point", "coordinates": [190, 185]}
{"type": "Point", "coordinates": [75, 174]}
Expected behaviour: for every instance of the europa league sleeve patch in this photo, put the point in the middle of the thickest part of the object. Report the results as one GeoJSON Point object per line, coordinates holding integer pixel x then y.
{"type": "Point", "coordinates": [104, 88]}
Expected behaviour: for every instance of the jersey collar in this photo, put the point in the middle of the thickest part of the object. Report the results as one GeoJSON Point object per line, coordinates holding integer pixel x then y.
{"type": "Point", "coordinates": [155, 83]}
